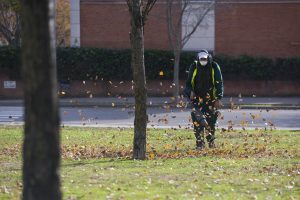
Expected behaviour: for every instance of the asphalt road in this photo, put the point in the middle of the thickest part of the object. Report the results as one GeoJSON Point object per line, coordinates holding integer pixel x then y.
{"type": "Point", "coordinates": [161, 117]}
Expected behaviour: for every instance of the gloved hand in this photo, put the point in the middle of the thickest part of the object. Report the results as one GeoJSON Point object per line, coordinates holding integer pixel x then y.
{"type": "Point", "coordinates": [218, 104]}
{"type": "Point", "coordinates": [192, 95]}
{"type": "Point", "coordinates": [200, 118]}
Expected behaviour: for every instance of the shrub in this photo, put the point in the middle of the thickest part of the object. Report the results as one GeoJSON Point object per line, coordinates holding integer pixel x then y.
{"type": "Point", "coordinates": [287, 69]}
{"type": "Point", "coordinates": [10, 62]}
{"type": "Point", "coordinates": [93, 63]}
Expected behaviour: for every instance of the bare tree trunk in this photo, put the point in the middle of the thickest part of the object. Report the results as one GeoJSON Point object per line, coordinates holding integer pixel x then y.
{"type": "Point", "coordinates": [41, 155]}
{"type": "Point", "coordinates": [174, 35]}
{"type": "Point", "coordinates": [18, 31]}
{"type": "Point", "coordinates": [138, 66]}
{"type": "Point", "coordinates": [177, 38]}
{"type": "Point", "coordinates": [10, 21]}
{"type": "Point", "coordinates": [176, 73]}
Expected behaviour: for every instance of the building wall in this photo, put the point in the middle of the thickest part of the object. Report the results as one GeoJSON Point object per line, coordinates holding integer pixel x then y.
{"type": "Point", "coordinates": [107, 25]}
{"type": "Point", "coordinates": [204, 36]}
{"type": "Point", "coordinates": [269, 28]}
{"type": "Point", "coordinates": [258, 29]}
{"type": "Point", "coordinates": [75, 22]}
{"type": "Point", "coordinates": [104, 25]}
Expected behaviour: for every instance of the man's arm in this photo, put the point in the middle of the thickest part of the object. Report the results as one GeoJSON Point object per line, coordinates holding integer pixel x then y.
{"type": "Point", "coordinates": [188, 85]}
{"type": "Point", "coordinates": [218, 81]}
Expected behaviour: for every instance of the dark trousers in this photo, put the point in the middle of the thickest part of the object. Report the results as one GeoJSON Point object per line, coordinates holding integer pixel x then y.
{"type": "Point", "coordinates": [204, 111]}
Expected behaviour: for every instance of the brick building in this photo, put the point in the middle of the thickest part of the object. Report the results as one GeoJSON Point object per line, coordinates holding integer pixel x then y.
{"type": "Point", "coordinates": [258, 28]}
{"type": "Point", "coordinates": [268, 28]}
{"type": "Point", "coordinates": [106, 24]}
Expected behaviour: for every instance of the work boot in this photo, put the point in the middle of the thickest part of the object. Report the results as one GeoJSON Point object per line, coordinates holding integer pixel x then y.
{"type": "Point", "coordinates": [200, 144]}
{"type": "Point", "coordinates": [199, 134]}
{"type": "Point", "coordinates": [211, 144]}
{"type": "Point", "coordinates": [210, 140]}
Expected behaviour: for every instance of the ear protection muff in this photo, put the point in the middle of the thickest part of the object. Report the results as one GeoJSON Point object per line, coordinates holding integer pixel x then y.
{"type": "Point", "coordinates": [209, 55]}
{"type": "Point", "coordinates": [205, 51]}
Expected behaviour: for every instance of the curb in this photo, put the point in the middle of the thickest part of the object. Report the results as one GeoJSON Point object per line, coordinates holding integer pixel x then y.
{"type": "Point", "coordinates": [130, 104]}
{"type": "Point", "coordinates": [170, 105]}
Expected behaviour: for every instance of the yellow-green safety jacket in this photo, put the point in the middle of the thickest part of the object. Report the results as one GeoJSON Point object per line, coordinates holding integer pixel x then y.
{"type": "Point", "coordinates": [217, 80]}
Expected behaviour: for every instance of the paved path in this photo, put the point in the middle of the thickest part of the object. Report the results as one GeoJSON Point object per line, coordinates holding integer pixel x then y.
{"type": "Point", "coordinates": [161, 118]}
{"type": "Point", "coordinates": [243, 102]}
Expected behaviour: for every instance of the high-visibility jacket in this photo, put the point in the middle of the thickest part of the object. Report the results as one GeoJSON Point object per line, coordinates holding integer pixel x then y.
{"type": "Point", "coordinates": [217, 80]}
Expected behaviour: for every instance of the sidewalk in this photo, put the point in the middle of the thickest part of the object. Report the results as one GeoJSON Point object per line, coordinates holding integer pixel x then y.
{"type": "Point", "coordinates": [235, 102]}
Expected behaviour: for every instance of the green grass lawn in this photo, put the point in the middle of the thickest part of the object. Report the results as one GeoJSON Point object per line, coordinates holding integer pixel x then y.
{"type": "Point", "coordinates": [97, 164]}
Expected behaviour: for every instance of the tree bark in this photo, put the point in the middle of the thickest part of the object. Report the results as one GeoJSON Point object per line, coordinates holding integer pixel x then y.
{"type": "Point", "coordinates": [41, 155]}
{"type": "Point", "coordinates": [177, 38]}
{"type": "Point", "coordinates": [17, 36]}
{"type": "Point", "coordinates": [176, 73]}
{"type": "Point", "coordinates": [138, 66]}
{"type": "Point", "coordinates": [10, 22]}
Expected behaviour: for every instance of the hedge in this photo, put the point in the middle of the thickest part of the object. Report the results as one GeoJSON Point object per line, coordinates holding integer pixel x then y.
{"type": "Point", "coordinates": [94, 63]}
{"type": "Point", "coordinates": [10, 62]}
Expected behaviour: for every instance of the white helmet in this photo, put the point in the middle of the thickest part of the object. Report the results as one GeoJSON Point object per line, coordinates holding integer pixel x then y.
{"type": "Point", "coordinates": [203, 57]}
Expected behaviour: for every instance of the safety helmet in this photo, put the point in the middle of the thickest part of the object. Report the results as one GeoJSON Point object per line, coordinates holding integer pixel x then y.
{"type": "Point", "coordinates": [203, 57]}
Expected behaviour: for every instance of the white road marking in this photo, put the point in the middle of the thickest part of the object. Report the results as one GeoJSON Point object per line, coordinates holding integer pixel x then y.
{"type": "Point", "coordinates": [9, 118]}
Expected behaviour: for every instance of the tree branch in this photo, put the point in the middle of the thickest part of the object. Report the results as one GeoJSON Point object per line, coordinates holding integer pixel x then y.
{"type": "Point", "coordinates": [9, 21]}
{"type": "Point", "coordinates": [147, 9]}
{"type": "Point", "coordinates": [171, 30]}
{"type": "Point", "coordinates": [200, 19]}
{"type": "Point", "coordinates": [129, 4]}
{"type": "Point", "coordinates": [174, 33]}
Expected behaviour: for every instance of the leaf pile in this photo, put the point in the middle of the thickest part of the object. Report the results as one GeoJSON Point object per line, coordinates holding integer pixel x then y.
{"type": "Point", "coordinates": [170, 144]}
{"type": "Point", "coordinates": [77, 152]}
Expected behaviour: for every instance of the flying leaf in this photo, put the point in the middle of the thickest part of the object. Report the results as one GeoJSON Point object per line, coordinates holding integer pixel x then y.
{"type": "Point", "coordinates": [151, 156]}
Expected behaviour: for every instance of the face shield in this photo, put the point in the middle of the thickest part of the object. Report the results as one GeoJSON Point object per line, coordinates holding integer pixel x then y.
{"type": "Point", "coordinates": [203, 58]}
